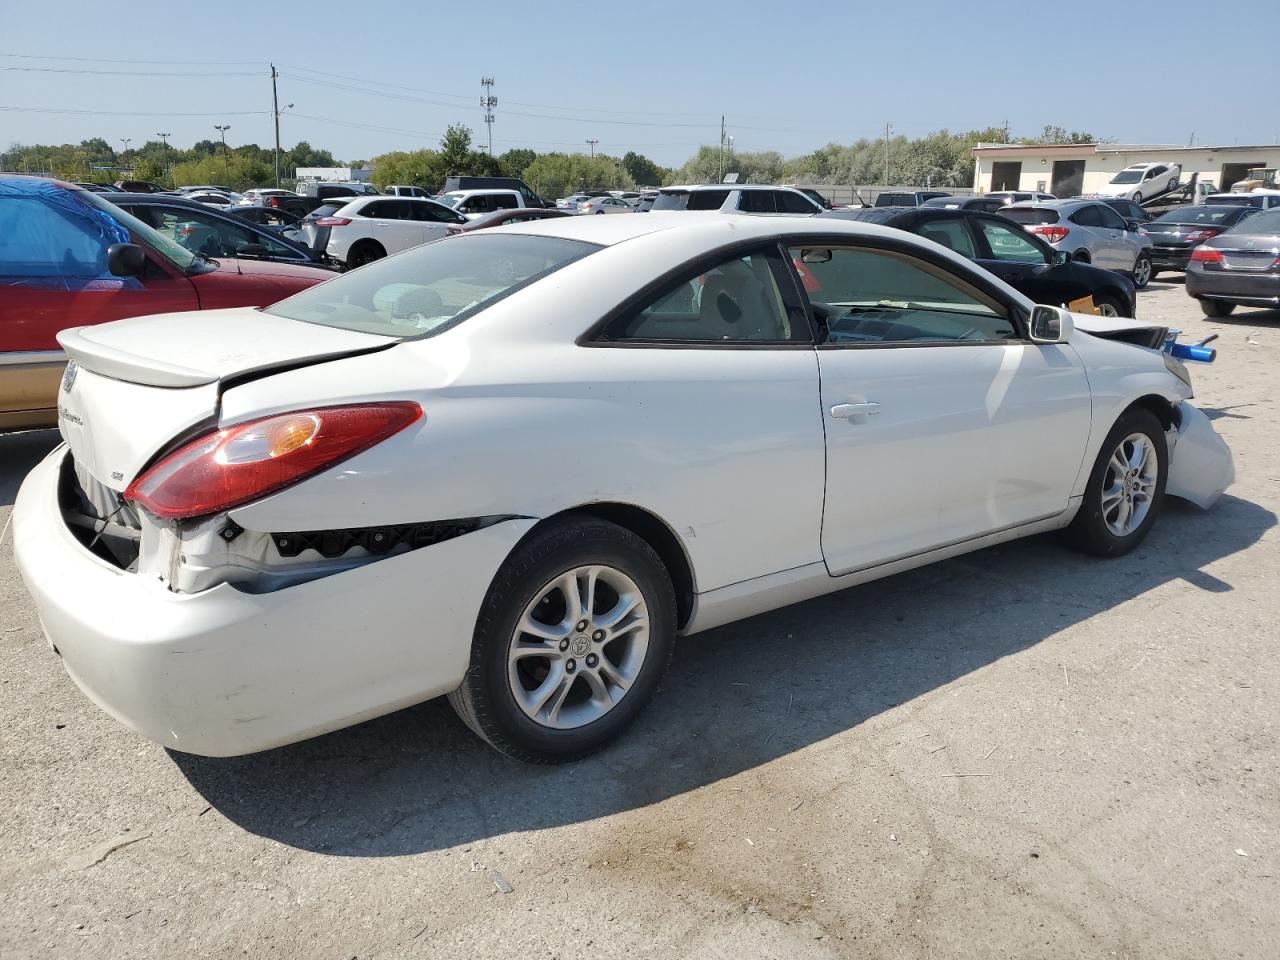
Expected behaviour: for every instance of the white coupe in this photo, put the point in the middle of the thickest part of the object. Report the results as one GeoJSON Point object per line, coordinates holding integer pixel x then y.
{"type": "Point", "coordinates": [513, 465]}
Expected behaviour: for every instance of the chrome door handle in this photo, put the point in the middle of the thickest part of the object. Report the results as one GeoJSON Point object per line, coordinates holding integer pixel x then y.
{"type": "Point", "coordinates": [843, 411]}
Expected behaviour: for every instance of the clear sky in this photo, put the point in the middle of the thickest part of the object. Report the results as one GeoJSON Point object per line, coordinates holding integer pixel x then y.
{"type": "Point", "coordinates": [383, 75]}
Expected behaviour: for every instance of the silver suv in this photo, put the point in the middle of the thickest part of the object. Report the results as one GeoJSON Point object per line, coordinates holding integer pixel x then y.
{"type": "Point", "coordinates": [1091, 232]}
{"type": "Point", "coordinates": [736, 198]}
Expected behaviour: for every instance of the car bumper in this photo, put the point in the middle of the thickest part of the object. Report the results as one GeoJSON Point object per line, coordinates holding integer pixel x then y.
{"type": "Point", "coordinates": [1200, 464]}
{"type": "Point", "coordinates": [1170, 259]}
{"type": "Point", "coordinates": [224, 672]}
{"type": "Point", "coordinates": [1256, 288]}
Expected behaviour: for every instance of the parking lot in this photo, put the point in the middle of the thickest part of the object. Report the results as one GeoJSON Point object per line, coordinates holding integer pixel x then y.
{"type": "Point", "coordinates": [1019, 753]}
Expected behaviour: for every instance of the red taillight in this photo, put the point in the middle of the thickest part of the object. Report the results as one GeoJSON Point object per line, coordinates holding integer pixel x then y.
{"type": "Point", "coordinates": [1206, 255]}
{"type": "Point", "coordinates": [333, 221]}
{"type": "Point", "coordinates": [1052, 234]}
{"type": "Point", "coordinates": [1199, 236]}
{"type": "Point", "coordinates": [250, 460]}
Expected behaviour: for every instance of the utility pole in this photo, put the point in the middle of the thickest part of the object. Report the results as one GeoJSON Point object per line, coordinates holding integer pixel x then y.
{"type": "Point", "coordinates": [720, 177]}
{"type": "Point", "coordinates": [126, 141]}
{"type": "Point", "coordinates": [888, 129]}
{"type": "Point", "coordinates": [222, 128]}
{"type": "Point", "coordinates": [275, 110]}
{"type": "Point", "coordinates": [1006, 131]}
{"type": "Point", "coordinates": [488, 101]}
{"type": "Point", "coordinates": [164, 141]}
{"type": "Point", "coordinates": [593, 148]}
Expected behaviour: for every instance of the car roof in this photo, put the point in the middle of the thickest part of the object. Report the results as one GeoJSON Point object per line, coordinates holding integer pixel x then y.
{"type": "Point", "coordinates": [692, 187]}
{"type": "Point", "coordinates": [1056, 204]}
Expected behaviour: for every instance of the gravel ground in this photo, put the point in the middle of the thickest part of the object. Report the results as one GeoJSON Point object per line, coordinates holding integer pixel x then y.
{"type": "Point", "coordinates": [1019, 753]}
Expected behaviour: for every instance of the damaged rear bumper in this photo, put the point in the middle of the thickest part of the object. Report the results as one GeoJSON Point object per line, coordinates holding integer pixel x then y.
{"type": "Point", "coordinates": [224, 672]}
{"type": "Point", "coordinates": [1200, 464]}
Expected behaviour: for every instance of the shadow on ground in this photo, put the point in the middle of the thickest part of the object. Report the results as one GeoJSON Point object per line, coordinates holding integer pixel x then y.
{"type": "Point", "coordinates": [735, 698]}
{"type": "Point", "coordinates": [19, 452]}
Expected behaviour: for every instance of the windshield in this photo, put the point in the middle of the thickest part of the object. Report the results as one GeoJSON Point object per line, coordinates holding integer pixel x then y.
{"type": "Point", "coordinates": [430, 288]}
{"type": "Point", "coordinates": [1267, 222]}
{"type": "Point", "coordinates": [174, 252]}
{"type": "Point", "coordinates": [1128, 176]}
{"type": "Point", "coordinates": [450, 200]}
{"type": "Point", "coordinates": [1030, 214]}
{"type": "Point", "coordinates": [1200, 214]}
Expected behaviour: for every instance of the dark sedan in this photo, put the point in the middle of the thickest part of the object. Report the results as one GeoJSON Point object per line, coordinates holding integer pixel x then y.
{"type": "Point", "coordinates": [980, 203]}
{"type": "Point", "coordinates": [213, 233]}
{"type": "Point", "coordinates": [1239, 267]}
{"type": "Point", "coordinates": [514, 215]}
{"type": "Point", "coordinates": [1020, 259]}
{"type": "Point", "coordinates": [1175, 234]}
{"type": "Point", "coordinates": [276, 219]}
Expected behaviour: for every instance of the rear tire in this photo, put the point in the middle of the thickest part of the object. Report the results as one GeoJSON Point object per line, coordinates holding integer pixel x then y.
{"type": "Point", "coordinates": [1121, 504]}
{"type": "Point", "coordinates": [526, 639]}
{"type": "Point", "coordinates": [1137, 197]}
{"type": "Point", "coordinates": [1216, 308]}
{"type": "Point", "coordinates": [365, 251]}
{"type": "Point", "coordinates": [1142, 271]}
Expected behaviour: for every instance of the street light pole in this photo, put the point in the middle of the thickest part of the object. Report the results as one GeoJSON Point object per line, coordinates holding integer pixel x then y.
{"type": "Point", "coordinates": [593, 147]}
{"type": "Point", "coordinates": [126, 141]}
{"type": "Point", "coordinates": [222, 128]}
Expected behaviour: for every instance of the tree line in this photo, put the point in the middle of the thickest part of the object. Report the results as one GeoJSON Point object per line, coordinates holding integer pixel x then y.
{"type": "Point", "coordinates": [941, 159]}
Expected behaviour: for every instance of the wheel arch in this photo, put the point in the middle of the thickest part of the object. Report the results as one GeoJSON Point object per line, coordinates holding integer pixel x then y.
{"type": "Point", "coordinates": [656, 532]}
{"type": "Point", "coordinates": [1165, 411]}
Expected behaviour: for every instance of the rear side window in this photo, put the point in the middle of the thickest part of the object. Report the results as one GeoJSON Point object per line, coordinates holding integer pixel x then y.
{"type": "Point", "coordinates": [1030, 215]}
{"type": "Point", "coordinates": [675, 200]}
{"type": "Point", "coordinates": [1267, 222]}
{"type": "Point", "coordinates": [736, 300]}
{"type": "Point", "coordinates": [326, 191]}
{"type": "Point", "coordinates": [1087, 217]}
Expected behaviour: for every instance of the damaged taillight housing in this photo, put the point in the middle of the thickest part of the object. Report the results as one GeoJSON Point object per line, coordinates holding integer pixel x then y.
{"type": "Point", "coordinates": [249, 460]}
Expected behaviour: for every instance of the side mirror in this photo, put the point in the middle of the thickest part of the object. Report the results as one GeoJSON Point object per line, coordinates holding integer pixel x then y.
{"type": "Point", "coordinates": [1133, 226]}
{"type": "Point", "coordinates": [1051, 324]}
{"type": "Point", "coordinates": [253, 250]}
{"type": "Point", "coordinates": [1061, 258]}
{"type": "Point", "coordinates": [126, 260]}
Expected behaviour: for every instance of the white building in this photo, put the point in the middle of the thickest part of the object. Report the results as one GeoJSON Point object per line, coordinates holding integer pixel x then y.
{"type": "Point", "coordinates": [1072, 169]}
{"type": "Point", "coordinates": [331, 174]}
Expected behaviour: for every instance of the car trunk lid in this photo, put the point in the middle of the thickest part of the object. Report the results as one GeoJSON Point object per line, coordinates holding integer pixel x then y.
{"type": "Point", "coordinates": [134, 386]}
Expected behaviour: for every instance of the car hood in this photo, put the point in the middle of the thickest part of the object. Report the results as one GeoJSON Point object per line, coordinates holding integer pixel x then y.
{"type": "Point", "coordinates": [1119, 328]}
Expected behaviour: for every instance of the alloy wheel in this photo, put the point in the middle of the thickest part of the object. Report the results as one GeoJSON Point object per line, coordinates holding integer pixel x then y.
{"type": "Point", "coordinates": [1129, 484]}
{"type": "Point", "coordinates": [578, 647]}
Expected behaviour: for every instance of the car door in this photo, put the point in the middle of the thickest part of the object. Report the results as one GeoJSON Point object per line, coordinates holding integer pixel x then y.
{"type": "Point", "coordinates": [1012, 254]}
{"type": "Point", "coordinates": [1125, 244]}
{"type": "Point", "coordinates": [944, 423]}
{"type": "Point", "coordinates": [392, 224]}
{"type": "Point", "coordinates": [435, 219]}
{"type": "Point", "coordinates": [1105, 246]}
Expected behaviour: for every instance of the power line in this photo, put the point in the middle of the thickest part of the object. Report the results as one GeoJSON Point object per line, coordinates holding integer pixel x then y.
{"type": "Point", "coordinates": [134, 113]}
{"type": "Point", "coordinates": [127, 73]}
{"type": "Point", "coordinates": [184, 62]}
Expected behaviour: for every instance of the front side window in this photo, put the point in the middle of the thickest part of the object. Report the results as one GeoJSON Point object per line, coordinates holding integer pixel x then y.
{"type": "Point", "coordinates": [1087, 216]}
{"type": "Point", "coordinates": [505, 201]}
{"type": "Point", "coordinates": [736, 301]}
{"type": "Point", "coordinates": [1009, 244]}
{"type": "Point", "coordinates": [871, 297]}
{"type": "Point", "coordinates": [789, 202]}
{"type": "Point", "coordinates": [1108, 218]}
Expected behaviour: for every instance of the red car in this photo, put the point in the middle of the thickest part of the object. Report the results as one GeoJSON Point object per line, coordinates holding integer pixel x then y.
{"type": "Point", "coordinates": [69, 258]}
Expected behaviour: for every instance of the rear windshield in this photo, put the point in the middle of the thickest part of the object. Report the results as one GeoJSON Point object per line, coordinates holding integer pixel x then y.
{"type": "Point", "coordinates": [1267, 222]}
{"type": "Point", "coordinates": [430, 288]}
{"type": "Point", "coordinates": [1199, 214]}
{"type": "Point", "coordinates": [328, 209]}
{"type": "Point", "coordinates": [1128, 176]}
{"type": "Point", "coordinates": [1027, 215]}
{"type": "Point", "coordinates": [1234, 200]}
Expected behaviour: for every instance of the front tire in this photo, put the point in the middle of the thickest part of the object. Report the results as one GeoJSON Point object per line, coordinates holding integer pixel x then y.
{"type": "Point", "coordinates": [1216, 308]}
{"type": "Point", "coordinates": [1142, 271]}
{"type": "Point", "coordinates": [1125, 489]}
{"type": "Point", "coordinates": [1109, 306]}
{"type": "Point", "coordinates": [1137, 197]}
{"type": "Point", "coordinates": [570, 644]}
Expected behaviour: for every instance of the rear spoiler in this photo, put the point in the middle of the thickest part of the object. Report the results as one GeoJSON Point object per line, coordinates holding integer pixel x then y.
{"type": "Point", "coordinates": [121, 365]}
